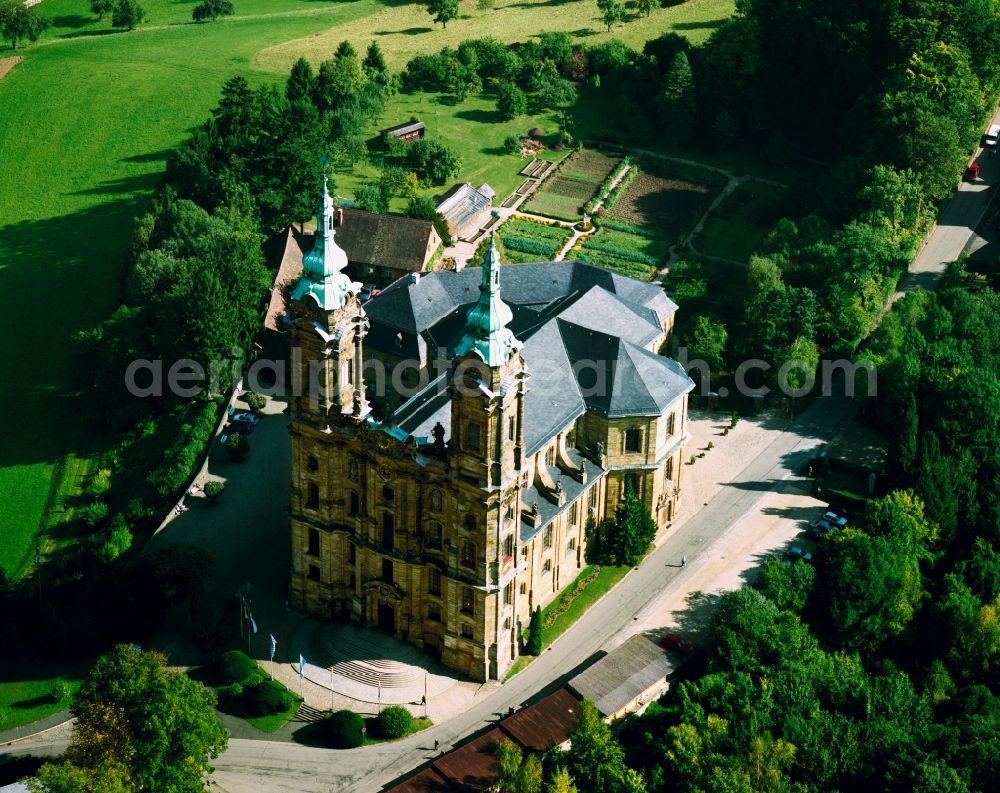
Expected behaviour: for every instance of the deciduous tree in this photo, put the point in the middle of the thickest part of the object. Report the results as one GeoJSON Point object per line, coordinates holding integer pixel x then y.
{"type": "Point", "coordinates": [127, 14]}
{"type": "Point", "coordinates": [443, 11]}
{"type": "Point", "coordinates": [612, 12]}
{"type": "Point", "coordinates": [19, 22]}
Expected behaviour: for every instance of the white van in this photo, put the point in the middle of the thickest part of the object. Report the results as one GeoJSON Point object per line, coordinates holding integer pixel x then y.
{"type": "Point", "coordinates": [991, 136]}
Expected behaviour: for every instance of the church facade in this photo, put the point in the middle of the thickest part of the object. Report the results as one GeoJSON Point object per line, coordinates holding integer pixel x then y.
{"type": "Point", "coordinates": [461, 433]}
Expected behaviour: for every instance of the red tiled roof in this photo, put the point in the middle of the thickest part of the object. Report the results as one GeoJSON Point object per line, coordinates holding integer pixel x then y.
{"type": "Point", "coordinates": [545, 724]}
{"type": "Point", "coordinates": [427, 781]}
{"type": "Point", "coordinates": [470, 767]}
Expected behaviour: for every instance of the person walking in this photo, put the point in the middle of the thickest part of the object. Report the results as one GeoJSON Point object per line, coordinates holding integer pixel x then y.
{"type": "Point", "coordinates": [684, 561]}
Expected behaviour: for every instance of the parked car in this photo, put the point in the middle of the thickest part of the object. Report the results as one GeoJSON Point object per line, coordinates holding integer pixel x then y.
{"type": "Point", "coordinates": [834, 519]}
{"type": "Point", "coordinates": [972, 173]}
{"type": "Point", "coordinates": [242, 427]}
{"type": "Point", "coordinates": [674, 642]}
{"type": "Point", "coordinates": [245, 415]}
{"type": "Point", "coordinates": [991, 136]}
{"type": "Point", "coordinates": [799, 553]}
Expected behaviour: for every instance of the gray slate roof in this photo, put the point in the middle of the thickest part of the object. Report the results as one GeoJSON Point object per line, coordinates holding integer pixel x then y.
{"type": "Point", "coordinates": [623, 675]}
{"type": "Point", "coordinates": [584, 331]}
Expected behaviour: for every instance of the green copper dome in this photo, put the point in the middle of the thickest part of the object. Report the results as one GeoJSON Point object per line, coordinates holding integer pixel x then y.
{"type": "Point", "coordinates": [322, 276]}
{"type": "Point", "coordinates": [486, 331]}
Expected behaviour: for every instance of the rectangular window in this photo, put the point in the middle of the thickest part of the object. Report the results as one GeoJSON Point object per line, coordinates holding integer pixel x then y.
{"type": "Point", "coordinates": [571, 547]}
{"type": "Point", "coordinates": [434, 533]}
{"type": "Point", "coordinates": [433, 581]}
{"type": "Point", "coordinates": [388, 530]}
{"type": "Point", "coordinates": [508, 546]}
{"type": "Point", "coordinates": [524, 588]}
{"type": "Point", "coordinates": [592, 497]}
{"type": "Point", "coordinates": [550, 456]}
{"type": "Point", "coordinates": [508, 594]}
{"type": "Point", "coordinates": [468, 600]}
{"type": "Point", "coordinates": [670, 423]}
{"type": "Point", "coordinates": [312, 463]}
{"type": "Point", "coordinates": [313, 572]}
{"type": "Point", "coordinates": [472, 439]}
{"type": "Point", "coordinates": [388, 494]}
{"type": "Point", "coordinates": [547, 542]}
{"type": "Point", "coordinates": [348, 373]}
{"type": "Point", "coordinates": [353, 506]}
{"type": "Point", "coordinates": [466, 630]}
{"type": "Point", "coordinates": [633, 440]}
{"type": "Point", "coordinates": [668, 469]}
{"type": "Point", "coordinates": [351, 581]}
{"type": "Point", "coordinates": [547, 567]}
{"type": "Point", "coordinates": [387, 571]}
{"type": "Point", "coordinates": [313, 549]}
{"type": "Point", "coordinates": [312, 495]}
{"type": "Point", "coordinates": [352, 553]}
{"type": "Point", "coordinates": [572, 514]}
{"type": "Point", "coordinates": [510, 428]}
{"type": "Point", "coordinates": [469, 554]}
{"type": "Point", "coordinates": [434, 613]}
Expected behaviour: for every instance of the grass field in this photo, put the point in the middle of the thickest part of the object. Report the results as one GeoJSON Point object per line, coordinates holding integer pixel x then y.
{"type": "Point", "coordinates": [737, 227]}
{"type": "Point", "coordinates": [405, 29]}
{"type": "Point", "coordinates": [88, 120]}
{"type": "Point", "coordinates": [472, 128]}
{"type": "Point", "coordinates": [564, 193]}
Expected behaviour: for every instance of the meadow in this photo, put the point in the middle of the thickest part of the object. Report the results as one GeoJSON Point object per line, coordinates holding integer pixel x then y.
{"type": "Point", "coordinates": [88, 120]}
{"type": "Point", "coordinates": [738, 226]}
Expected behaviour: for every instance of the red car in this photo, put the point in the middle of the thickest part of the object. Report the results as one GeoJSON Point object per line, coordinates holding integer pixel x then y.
{"type": "Point", "coordinates": [674, 642]}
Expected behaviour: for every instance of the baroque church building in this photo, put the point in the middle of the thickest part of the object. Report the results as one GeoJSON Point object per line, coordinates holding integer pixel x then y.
{"type": "Point", "coordinates": [458, 434]}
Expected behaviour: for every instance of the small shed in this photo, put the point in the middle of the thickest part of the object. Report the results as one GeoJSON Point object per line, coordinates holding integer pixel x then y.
{"type": "Point", "coordinates": [411, 130]}
{"type": "Point", "coordinates": [627, 679]}
{"type": "Point", "coordinates": [471, 766]}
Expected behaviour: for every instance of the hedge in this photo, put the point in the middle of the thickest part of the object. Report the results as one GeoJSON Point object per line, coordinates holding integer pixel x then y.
{"type": "Point", "coordinates": [606, 185]}
{"type": "Point", "coordinates": [620, 188]}
{"type": "Point", "coordinates": [267, 698]}
{"type": "Point", "coordinates": [181, 457]}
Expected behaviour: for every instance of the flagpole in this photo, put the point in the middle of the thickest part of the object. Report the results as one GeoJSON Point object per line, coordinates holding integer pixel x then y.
{"type": "Point", "coordinates": [331, 689]}
{"type": "Point", "coordinates": [425, 693]}
{"type": "Point", "coordinates": [249, 632]}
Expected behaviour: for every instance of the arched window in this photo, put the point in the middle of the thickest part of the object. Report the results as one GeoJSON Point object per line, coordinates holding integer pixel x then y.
{"type": "Point", "coordinates": [470, 522]}
{"type": "Point", "coordinates": [312, 496]}
{"type": "Point", "coordinates": [312, 463]}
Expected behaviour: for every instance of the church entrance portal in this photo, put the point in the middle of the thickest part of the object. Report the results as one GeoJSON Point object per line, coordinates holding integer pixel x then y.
{"type": "Point", "coordinates": [387, 617]}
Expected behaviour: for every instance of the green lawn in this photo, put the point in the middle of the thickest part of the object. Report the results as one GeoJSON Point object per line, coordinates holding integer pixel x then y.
{"type": "Point", "coordinates": [591, 593]}
{"type": "Point", "coordinates": [738, 226]}
{"type": "Point", "coordinates": [275, 721]}
{"type": "Point", "coordinates": [472, 128]}
{"type": "Point", "coordinates": [26, 689]}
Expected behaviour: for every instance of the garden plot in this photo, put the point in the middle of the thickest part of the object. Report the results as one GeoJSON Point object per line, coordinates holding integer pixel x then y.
{"type": "Point", "coordinates": [636, 252]}
{"type": "Point", "coordinates": [529, 241]}
{"type": "Point", "coordinates": [667, 198]}
{"type": "Point", "coordinates": [564, 194]}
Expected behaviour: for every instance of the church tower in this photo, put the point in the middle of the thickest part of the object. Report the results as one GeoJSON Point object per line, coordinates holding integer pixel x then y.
{"type": "Point", "coordinates": [328, 326]}
{"type": "Point", "coordinates": [487, 388]}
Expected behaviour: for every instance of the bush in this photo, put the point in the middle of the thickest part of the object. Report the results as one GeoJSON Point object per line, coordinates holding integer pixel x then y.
{"type": "Point", "coordinates": [256, 402]}
{"type": "Point", "coordinates": [394, 722]}
{"type": "Point", "coordinates": [235, 667]}
{"type": "Point", "coordinates": [511, 144]}
{"type": "Point", "coordinates": [213, 489]}
{"type": "Point", "coordinates": [534, 644]}
{"type": "Point", "coordinates": [343, 730]}
{"type": "Point", "coordinates": [60, 690]}
{"type": "Point", "coordinates": [117, 539]}
{"type": "Point", "coordinates": [94, 514]}
{"type": "Point", "coordinates": [266, 698]}
{"type": "Point", "coordinates": [101, 483]}
{"type": "Point", "coordinates": [238, 446]}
